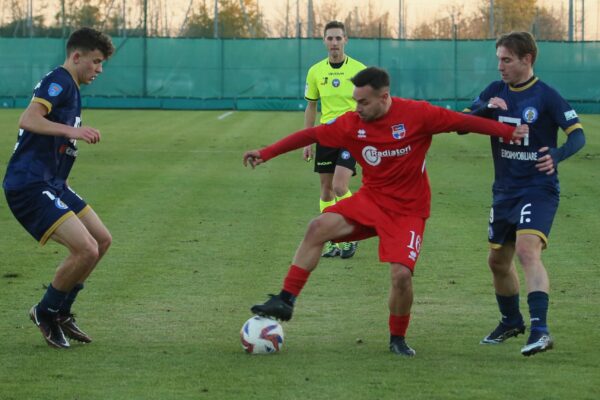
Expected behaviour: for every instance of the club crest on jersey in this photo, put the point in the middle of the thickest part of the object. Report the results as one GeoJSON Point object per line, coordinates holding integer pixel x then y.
{"type": "Point", "coordinates": [398, 131]}
{"type": "Point", "coordinates": [530, 115]}
{"type": "Point", "coordinates": [54, 89]}
{"type": "Point", "coordinates": [335, 82]}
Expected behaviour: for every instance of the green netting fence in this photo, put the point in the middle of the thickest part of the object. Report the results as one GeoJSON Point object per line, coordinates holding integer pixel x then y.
{"type": "Point", "coordinates": [270, 73]}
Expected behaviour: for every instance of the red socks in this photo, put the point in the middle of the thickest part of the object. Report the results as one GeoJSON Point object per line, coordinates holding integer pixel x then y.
{"type": "Point", "coordinates": [295, 280]}
{"type": "Point", "coordinates": [399, 324]}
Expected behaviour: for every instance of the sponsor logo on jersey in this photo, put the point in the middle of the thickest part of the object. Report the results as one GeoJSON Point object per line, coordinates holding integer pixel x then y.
{"type": "Point", "coordinates": [398, 131]}
{"type": "Point", "coordinates": [361, 134]}
{"type": "Point", "coordinates": [373, 156]}
{"type": "Point", "coordinates": [335, 82]}
{"type": "Point", "coordinates": [571, 114]}
{"type": "Point", "coordinates": [530, 115]}
{"type": "Point", "coordinates": [345, 155]}
{"type": "Point", "coordinates": [519, 155]}
{"type": "Point", "coordinates": [54, 89]}
{"type": "Point", "coordinates": [68, 150]}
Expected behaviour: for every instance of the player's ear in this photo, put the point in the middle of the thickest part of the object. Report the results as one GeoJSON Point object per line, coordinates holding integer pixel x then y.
{"type": "Point", "coordinates": [75, 56]}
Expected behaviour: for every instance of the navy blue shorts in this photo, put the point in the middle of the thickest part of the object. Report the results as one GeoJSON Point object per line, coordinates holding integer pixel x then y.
{"type": "Point", "coordinates": [41, 209]}
{"type": "Point", "coordinates": [326, 159]}
{"type": "Point", "coordinates": [531, 213]}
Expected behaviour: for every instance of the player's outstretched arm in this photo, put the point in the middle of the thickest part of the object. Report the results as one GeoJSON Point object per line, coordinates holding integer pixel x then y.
{"type": "Point", "coordinates": [292, 142]}
{"type": "Point", "coordinates": [33, 120]}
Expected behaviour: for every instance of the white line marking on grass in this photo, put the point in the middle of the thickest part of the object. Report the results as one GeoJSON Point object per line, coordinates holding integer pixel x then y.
{"type": "Point", "coordinates": [223, 116]}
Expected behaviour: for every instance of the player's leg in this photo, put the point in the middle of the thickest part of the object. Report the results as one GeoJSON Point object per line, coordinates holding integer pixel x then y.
{"type": "Point", "coordinates": [326, 199]}
{"type": "Point", "coordinates": [400, 239]}
{"type": "Point", "coordinates": [327, 226]}
{"type": "Point", "coordinates": [325, 166]}
{"type": "Point", "coordinates": [529, 251]}
{"type": "Point", "coordinates": [83, 254]}
{"type": "Point", "coordinates": [66, 318]}
{"type": "Point", "coordinates": [537, 210]}
{"type": "Point", "coordinates": [99, 232]}
{"type": "Point", "coordinates": [400, 303]}
{"type": "Point", "coordinates": [506, 285]}
{"type": "Point", "coordinates": [344, 170]}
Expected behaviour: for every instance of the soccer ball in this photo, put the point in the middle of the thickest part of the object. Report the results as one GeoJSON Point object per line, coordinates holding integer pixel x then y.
{"type": "Point", "coordinates": [261, 335]}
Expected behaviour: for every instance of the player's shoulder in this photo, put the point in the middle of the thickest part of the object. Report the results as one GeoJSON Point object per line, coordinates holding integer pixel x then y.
{"type": "Point", "coordinates": [59, 74]}
{"type": "Point", "coordinates": [409, 104]}
{"type": "Point", "coordinates": [56, 82]}
{"type": "Point", "coordinates": [546, 88]}
{"type": "Point", "coordinates": [319, 65]}
{"type": "Point", "coordinates": [347, 118]}
{"type": "Point", "coordinates": [354, 63]}
{"type": "Point", "coordinates": [495, 87]}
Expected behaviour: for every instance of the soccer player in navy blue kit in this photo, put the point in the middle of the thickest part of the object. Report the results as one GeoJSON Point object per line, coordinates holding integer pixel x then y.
{"type": "Point", "coordinates": [36, 185]}
{"type": "Point", "coordinates": [526, 189]}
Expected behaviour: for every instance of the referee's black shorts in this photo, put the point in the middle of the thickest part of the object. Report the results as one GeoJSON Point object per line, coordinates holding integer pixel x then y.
{"type": "Point", "coordinates": [327, 158]}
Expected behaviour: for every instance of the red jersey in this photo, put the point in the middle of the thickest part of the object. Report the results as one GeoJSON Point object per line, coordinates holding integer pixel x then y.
{"type": "Point", "coordinates": [391, 149]}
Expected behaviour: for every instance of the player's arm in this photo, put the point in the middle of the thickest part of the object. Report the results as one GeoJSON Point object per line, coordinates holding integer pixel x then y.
{"type": "Point", "coordinates": [310, 117]}
{"type": "Point", "coordinates": [294, 141]}
{"type": "Point", "coordinates": [442, 120]}
{"type": "Point", "coordinates": [575, 142]}
{"type": "Point", "coordinates": [33, 120]}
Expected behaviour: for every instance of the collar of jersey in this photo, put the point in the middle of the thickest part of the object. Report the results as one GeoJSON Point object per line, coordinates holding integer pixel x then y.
{"type": "Point", "coordinates": [525, 85]}
{"type": "Point", "coordinates": [340, 64]}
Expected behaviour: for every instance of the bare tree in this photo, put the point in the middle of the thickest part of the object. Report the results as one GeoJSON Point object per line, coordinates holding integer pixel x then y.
{"type": "Point", "coordinates": [509, 15]}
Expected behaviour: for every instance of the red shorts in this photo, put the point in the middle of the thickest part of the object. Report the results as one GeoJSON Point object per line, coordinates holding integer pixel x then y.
{"type": "Point", "coordinates": [400, 236]}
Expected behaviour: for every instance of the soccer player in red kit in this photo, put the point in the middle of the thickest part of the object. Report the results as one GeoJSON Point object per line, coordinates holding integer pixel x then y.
{"type": "Point", "coordinates": [389, 137]}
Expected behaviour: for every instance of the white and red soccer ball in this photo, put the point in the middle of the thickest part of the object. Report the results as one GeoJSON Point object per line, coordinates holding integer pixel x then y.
{"type": "Point", "coordinates": [261, 335]}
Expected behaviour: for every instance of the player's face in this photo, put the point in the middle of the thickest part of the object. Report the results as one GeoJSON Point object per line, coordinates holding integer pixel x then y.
{"type": "Point", "coordinates": [335, 39]}
{"type": "Point", "coordinates": [370, 103]}
{"type": "Point", "coordinates": [513, 70]}
{"type": "Point", "coordinates": [88, 64]}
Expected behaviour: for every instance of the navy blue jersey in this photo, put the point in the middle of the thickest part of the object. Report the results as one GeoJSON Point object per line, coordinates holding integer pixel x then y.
{"type": "Point", "coordinates": [544, 110]}
{"type": "Point", "coordinates": [41, 158]}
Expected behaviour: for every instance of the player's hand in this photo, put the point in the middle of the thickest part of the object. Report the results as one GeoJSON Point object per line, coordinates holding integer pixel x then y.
{"type": "Point", "coordinates": [86, 133]}
{"type": "Point", "coordinates": [497, 102]}
{"type": "Point", "coordinates": [546, 163]}
{"type": "Point", "coordinates": [519, 133]}
{"type": "Point", "coordinates": [307, 153]}
{"type": "Point", "coordinates": [252, 158]}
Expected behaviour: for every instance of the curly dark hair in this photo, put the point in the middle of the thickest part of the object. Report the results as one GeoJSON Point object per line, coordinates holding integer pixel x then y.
{"type": "Point", "coordinates": [89, 39]}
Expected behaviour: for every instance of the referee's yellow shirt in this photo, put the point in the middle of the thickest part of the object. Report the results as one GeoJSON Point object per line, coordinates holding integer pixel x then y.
{"type": "Point", "coordinates": [332, 86]}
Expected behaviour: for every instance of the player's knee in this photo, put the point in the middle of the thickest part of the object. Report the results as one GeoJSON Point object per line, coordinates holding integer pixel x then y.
{"type": "Point", "coordinates": [340, 189]}
{"type": "Point", "coordinates": [87, 252]}
{"type": "Point", "coordinates": [498, 266]}
{"type": "Point", "coordinates": [401, 278]}
{"type": "Point", "coordinates": [527, 255]}
{"type": "Point", "coordinates": [104, 243]}
{"type": "Point", "coordinates": [320, 229]}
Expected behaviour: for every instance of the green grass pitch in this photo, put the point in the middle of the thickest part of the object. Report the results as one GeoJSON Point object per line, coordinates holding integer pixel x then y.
{"type": "Point", "coordinates": [198, 239]}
